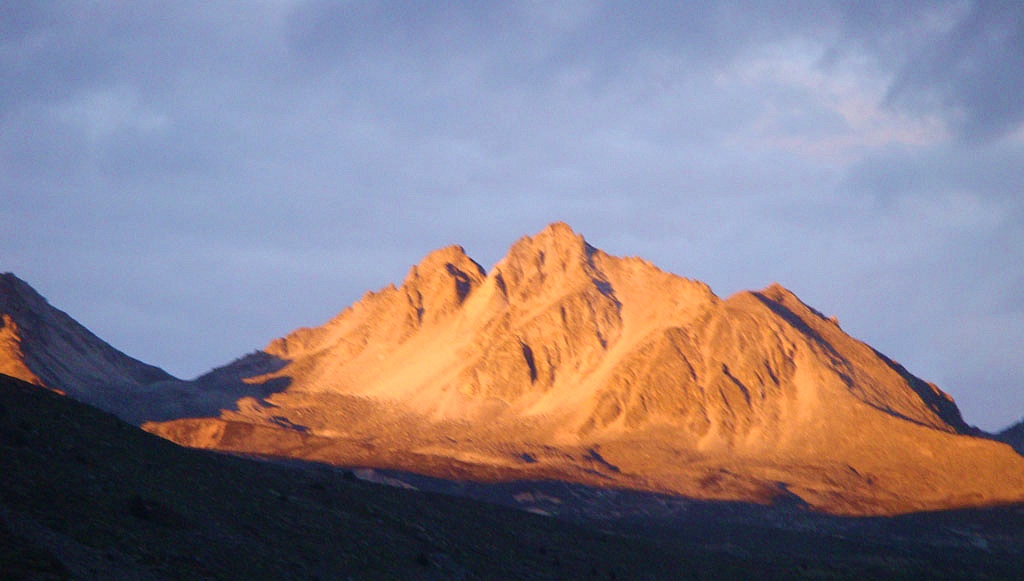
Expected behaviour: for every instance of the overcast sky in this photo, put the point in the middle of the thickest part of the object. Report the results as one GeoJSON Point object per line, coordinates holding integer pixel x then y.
{"type": "Point", "coordinates": [192, 179]}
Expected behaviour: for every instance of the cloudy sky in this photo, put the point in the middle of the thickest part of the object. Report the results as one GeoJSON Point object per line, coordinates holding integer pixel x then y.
{"type": "Point", "coordinates": [192, 179]}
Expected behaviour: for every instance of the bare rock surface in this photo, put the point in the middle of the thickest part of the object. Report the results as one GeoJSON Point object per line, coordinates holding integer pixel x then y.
{"type": "Point", "coordinates": [560, 363]}
{"type": "Point", "coordinates": [563, 362]}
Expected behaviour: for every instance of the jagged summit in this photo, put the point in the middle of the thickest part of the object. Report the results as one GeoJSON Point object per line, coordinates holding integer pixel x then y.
{"type": "Point", "coordinates": [442, 281]}
{"type": "Point", "coordinates": [561, 363]}
{"type": "Point", "coordinates": [557, 242]}
{"type": "Point", "coordinates": [551, 261]}
{"type": "Point", "coordinates": [564, 362]}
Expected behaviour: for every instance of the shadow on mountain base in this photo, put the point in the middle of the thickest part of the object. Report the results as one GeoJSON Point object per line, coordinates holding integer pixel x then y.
{"type": "Point", "coordinates": [207, 395]}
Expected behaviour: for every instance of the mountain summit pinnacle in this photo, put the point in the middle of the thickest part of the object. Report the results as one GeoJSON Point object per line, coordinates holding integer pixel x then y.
{"type": "Point", "coordinates": [555, 246]}
{"type": "Point", "coordinates": [557, 237]}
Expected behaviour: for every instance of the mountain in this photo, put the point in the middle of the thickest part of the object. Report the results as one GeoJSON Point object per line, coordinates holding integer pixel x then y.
{"type": "Point", "coordinates": [565, 363]}
{"type": "Point", "coordinates": [43, 345]}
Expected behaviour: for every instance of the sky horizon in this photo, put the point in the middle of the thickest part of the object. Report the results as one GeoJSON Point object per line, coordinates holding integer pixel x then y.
{"type": "Point", "coordinates": [192, 180]}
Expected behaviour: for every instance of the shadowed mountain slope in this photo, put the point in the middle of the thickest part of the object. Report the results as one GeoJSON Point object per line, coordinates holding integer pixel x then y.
{"type": "Point", "coordinates": [566, 363]}
{"type": "Point", "coordinates": [43, 345]}
{"type": "Point", "coordinates": [1014, 436]}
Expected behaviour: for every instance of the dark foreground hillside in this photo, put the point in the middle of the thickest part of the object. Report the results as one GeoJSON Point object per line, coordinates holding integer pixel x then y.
{"type": "Point", "coordinates": [85, 496]}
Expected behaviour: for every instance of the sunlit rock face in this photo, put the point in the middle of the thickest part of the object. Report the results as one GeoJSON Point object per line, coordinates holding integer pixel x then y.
{"type": "Point", "coordinates": [564, 362]}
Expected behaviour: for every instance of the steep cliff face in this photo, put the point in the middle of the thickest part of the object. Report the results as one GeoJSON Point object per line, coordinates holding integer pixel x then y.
{"type": "Point", "coordinates": [565, 362]}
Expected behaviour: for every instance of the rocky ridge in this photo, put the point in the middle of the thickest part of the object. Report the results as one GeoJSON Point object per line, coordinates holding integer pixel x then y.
{"type": "Point", "coordinates": [564, 362]}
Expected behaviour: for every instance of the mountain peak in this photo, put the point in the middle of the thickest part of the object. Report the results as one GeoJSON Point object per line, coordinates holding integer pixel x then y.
{"type": "Point", "coordinates": [558, 229]}
{"type": "Point", "coordinates": [441, 282]}
{"type": "Point", "coordinates": [568, 363]}
{"type": "Point", "coordinates": [776, 292]}
{"type": "Point", "coordinates": [16, 294]}
{"type": "Point", "coordinates": [554, 256]}
{"type": "Point", "coordinates": [556, 240]}
{"type": "Point", "coordinates": [448, 259]}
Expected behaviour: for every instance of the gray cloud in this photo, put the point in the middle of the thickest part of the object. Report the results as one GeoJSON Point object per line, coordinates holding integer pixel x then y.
{"type": "Point", "coordinates": [973, 75]}
{"type": "Point", "coordinates": [990, 171]}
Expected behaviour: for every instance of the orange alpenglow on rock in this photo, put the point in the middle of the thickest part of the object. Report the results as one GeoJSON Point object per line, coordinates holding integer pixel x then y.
{"type": "Point", "coordinates": [12, 360]}
{"type": "Point", "coordinates": [566, 363]}
{"type": "Point", "coordinates": [561, 363]}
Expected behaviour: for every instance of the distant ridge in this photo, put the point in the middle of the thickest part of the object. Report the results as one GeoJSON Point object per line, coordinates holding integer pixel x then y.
{"type": "Point", "coordinates": [43, 345]}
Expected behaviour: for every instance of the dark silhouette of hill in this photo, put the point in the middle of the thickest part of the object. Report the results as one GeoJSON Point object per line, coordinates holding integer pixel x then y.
{"type": "Point", "coordinates": [84, 495]}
